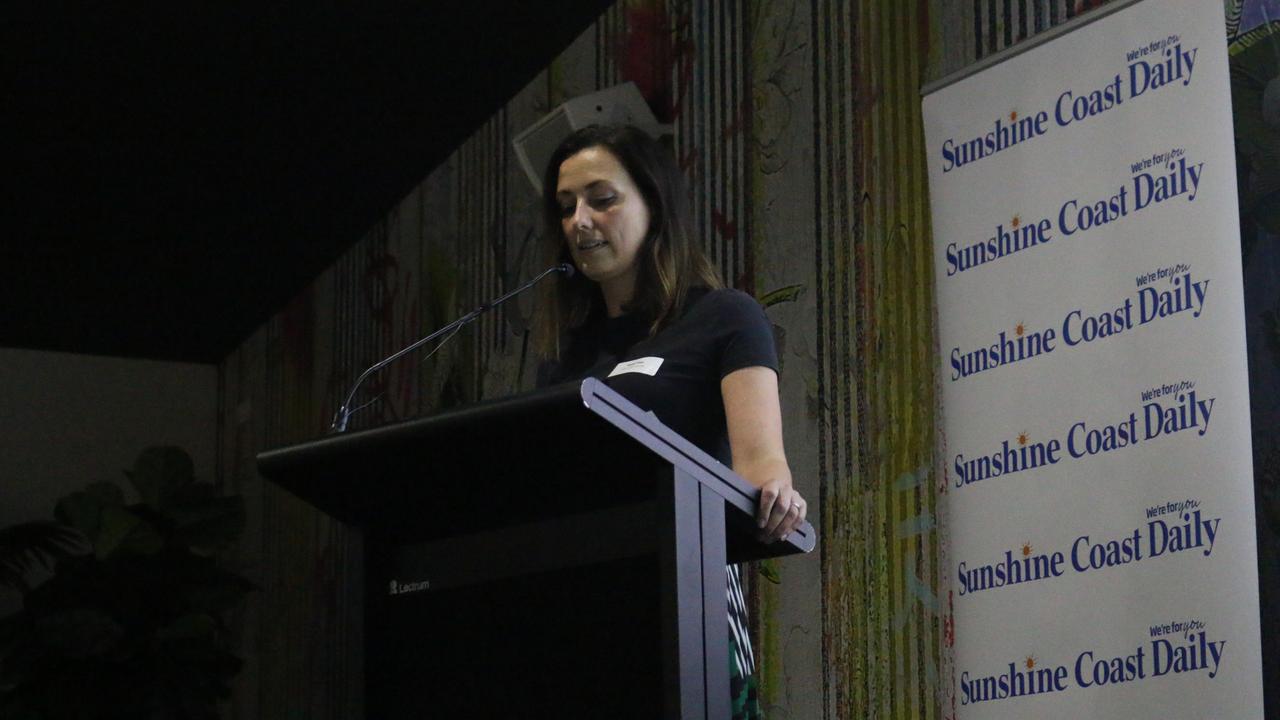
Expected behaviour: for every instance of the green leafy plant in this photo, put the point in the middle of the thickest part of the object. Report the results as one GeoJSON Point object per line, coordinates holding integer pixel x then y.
{"type": "Point", "coordinates": [130, 625]}
{"type": "Point", "coordinates": [30, 547]}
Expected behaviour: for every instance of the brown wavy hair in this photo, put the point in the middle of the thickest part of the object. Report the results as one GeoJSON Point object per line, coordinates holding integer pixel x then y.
{"type": "Point", "coordinates": [670, 261]}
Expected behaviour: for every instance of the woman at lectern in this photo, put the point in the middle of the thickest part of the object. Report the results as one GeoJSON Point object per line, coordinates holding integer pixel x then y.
{"type": "Point", "coordinates": [646, 310]}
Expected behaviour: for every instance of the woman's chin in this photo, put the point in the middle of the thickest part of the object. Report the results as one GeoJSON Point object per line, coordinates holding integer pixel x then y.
{"type": "Point", "coordinates": [594, 270]}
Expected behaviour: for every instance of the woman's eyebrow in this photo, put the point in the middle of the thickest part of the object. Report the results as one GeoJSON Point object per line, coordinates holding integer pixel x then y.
{"type": "Point", "coordinates": [589, 186]}
{"type": "Point", "coordinates": [593, 185]}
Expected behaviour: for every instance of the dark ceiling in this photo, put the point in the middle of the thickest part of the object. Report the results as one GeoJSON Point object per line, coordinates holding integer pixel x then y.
{"type": "Point", "coordinates": [176, 171]}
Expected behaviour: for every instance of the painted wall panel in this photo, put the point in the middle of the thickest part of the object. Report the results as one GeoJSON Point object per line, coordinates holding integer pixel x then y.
{"type": "Point", "coordinates": [798, 125]}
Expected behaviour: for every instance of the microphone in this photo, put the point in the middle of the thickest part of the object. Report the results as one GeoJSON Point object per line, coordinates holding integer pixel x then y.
{"type": "Point", "coordinates": [345, 412]}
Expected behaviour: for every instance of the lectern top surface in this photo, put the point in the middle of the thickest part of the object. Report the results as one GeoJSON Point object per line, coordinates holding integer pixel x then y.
{"type": "Point", "coordinates": [570, 448]}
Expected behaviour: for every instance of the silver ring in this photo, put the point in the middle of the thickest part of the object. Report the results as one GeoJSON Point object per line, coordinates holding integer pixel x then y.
{"type": "Point", "coordinates": [796, 505]}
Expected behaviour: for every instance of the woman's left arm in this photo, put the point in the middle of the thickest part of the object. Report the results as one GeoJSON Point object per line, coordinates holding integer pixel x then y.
{"type": "Point", "coordinates": [754, 419]}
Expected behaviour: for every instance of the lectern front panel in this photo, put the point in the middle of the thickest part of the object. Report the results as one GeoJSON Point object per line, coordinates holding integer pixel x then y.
{"type": "Point", "coordinates": [575, 642]}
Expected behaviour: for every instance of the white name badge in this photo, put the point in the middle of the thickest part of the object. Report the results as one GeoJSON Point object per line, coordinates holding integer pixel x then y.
{"type": "Point", "coordinates": [646, 365]}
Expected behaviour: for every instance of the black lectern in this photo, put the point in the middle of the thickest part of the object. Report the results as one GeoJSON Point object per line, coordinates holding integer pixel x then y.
{"type": "Point", "coordinates": [560, 553]}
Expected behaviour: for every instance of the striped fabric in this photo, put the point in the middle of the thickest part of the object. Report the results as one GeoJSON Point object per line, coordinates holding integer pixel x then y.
{"type": "Point", "coordinates": [744, 693]}
{"type": "Point", "coordinates": [743, 657]}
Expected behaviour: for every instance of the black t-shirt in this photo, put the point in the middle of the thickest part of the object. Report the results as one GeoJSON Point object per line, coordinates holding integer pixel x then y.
{"type": "Point", "coordinates": [676, 374]}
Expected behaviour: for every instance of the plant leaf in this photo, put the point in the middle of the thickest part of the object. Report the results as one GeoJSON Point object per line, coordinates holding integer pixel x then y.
{"type": "Point", "coordinates": [769, 572]}
{"type": "Point", "coordinates": [117, 526]}
{"type": "Point", "coordinates": [208, 525]}
{"type": "Point", "coordinates": [160, 472]}
{"type": "Point", "coordinates": [109, 527]}
{"type": "Point", "coordinates": [193, 626]}
{"type": "Point", "coordinates": [11, 626]}
{"type": "Point", "coordinates": [790, 293]}
{"type": "Point", "coordinates": [78, 633]}
{"type": "Point", "coordinates": [13, 706]}
{"type": "Point", "coordinates": [108, 493]}
{"type": "Point", "coordinates": [27, 546]}
{"type": "Point", "coordinates": [81, 511]}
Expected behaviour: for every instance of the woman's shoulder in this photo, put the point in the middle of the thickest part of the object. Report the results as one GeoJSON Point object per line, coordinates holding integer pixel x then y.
{"type": "Point", "coordinates": [738, 327]}
{"type": "Point", "coordinates": [726, 302]}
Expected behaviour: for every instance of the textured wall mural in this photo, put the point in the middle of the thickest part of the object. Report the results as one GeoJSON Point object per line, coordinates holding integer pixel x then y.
{"type": "Point", "coordinates": [798, 125]}
{"type": "Point", "coordinates": [1253, 37]}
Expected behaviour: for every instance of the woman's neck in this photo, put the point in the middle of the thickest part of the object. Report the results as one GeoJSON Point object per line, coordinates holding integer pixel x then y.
{"type": "Point", "coordinates": [617, 293]}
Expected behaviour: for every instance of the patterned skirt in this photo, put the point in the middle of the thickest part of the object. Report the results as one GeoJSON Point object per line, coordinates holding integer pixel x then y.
{"type": "Point", "coordinates": [744, 698]}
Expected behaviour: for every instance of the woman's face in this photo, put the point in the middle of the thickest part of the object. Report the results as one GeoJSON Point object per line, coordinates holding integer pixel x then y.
{"type": "Point", "coordinates": [603, 215]}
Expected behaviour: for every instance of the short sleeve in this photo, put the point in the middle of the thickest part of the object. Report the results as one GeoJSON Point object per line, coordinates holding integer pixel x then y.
{"type": "Point", "coordinates": [747, 334]}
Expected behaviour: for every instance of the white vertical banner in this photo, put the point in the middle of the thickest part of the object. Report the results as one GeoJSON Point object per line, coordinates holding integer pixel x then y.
{"type": "Point", "coordinates": [1095, 401]}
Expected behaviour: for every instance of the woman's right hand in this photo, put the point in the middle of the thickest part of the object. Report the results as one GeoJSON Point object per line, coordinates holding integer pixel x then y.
{"type": "Point", "coordinates": [780, 511]}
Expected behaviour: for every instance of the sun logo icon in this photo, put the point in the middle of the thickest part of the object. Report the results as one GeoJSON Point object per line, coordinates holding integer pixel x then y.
{"type": "Point", "coordinates": [1030, 662]}
{"type": "Point", "coordinates": [1015, 221]}
{"type": "Point", "coordinates": [1020, 329]}
{"type": "Point", "coordinates": [1026, 549]}
{"type": "Point", "coordinates": [1013, 116]}
{"type": "Point", "coordinates": [1022, 438]}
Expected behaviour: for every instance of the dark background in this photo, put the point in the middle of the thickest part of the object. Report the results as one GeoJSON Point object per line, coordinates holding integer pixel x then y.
{"type": "Point", "coordinates": [175, 172]}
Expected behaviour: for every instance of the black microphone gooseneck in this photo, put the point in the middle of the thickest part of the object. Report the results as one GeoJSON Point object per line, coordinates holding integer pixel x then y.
{"type": "Point", "coordinates": [346, 411]}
